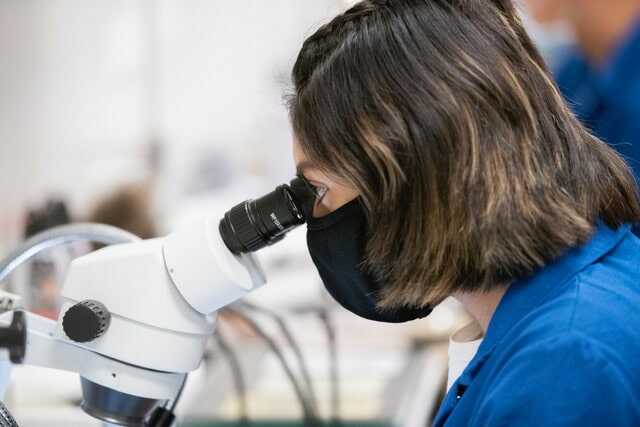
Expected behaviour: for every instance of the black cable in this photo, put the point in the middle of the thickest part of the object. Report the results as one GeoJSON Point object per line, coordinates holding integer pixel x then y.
{"type": "Point", "coordinates": [297, 351]}
{"type": "Point", "coordinates": [310, 417]}
{"type": "Point", "coordinates": [238, 377]}
{"type": "Point", "coordinates": [175, 401]}
{"type": "Point", "coordinates": [165, 416]}
{"type": "Point", "coordinates": [6, 419]}
{"type": "Point", "coordinates": [334, 372]}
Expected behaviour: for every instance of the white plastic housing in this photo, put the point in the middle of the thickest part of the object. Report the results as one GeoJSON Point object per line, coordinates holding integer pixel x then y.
{"type": "Point", "coordinates": [162, 295]}
{"type": "Point", "coordinates": [205, 272]}
{"type": "Point", "coordinates": [152, 325]}
{"type": "Point", "coordinates": [43, 349]}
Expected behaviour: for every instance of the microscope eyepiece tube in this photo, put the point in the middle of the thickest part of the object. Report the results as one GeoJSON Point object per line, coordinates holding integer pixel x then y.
{"type": "Point", "coordinates": [255, 224]}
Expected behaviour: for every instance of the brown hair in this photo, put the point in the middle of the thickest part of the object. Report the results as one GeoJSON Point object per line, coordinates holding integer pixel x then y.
{"type": "Point", "coordinates": [471, 167]}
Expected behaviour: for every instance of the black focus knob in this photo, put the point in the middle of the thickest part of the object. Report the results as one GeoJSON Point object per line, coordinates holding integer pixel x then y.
{"type": "Point", "coordinates": [86, 321]}
{"type": "Point", "coordinates": [14, 338]}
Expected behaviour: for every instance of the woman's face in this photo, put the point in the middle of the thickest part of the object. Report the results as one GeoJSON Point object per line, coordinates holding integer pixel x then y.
{"type": "Point", "coordinates": [331, 193]}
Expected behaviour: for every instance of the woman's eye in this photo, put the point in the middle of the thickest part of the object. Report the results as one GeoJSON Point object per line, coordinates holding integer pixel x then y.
{"type": "Point", "coordinates": [319, 191]}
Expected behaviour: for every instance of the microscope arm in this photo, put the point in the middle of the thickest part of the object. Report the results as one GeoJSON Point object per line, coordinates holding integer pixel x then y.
{"type": "Point", "coordinates": [44, 350]}
{"type": "Point", "coordinates": [135, 318]}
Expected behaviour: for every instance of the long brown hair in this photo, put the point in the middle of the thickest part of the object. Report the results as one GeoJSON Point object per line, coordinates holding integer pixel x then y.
{"type": "Point", "coordinates": [443, 115]}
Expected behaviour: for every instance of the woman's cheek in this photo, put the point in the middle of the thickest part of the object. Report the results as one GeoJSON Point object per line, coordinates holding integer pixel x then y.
{"type": "Point", "coordinates": [321, 208]}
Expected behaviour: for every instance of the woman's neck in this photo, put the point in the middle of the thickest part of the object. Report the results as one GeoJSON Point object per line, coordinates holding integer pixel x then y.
{"type": "Point", "coordinates": [482, 305]}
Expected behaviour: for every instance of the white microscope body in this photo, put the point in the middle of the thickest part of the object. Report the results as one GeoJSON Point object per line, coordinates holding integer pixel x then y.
{"type": "Point", "coordinates": [136, 317]}
{"type": "Point", "coordinates": [161, 296]}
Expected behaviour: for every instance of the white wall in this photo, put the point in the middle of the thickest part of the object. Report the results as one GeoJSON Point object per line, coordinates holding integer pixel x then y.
{"type": "Point", "coordinates": [86, 84]}
{"type": "Point", "coordinates": [73, 114]}
{"type": "Point", "coordinates": [223, 67]}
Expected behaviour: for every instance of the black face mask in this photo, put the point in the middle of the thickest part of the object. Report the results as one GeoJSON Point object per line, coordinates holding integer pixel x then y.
{"type": "Point", "coordinates": [337, 247]}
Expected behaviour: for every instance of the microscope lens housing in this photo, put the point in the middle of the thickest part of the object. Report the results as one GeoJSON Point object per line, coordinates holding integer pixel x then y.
{"type": "Point", "coordinates": [254, 224]}
{"type": "Point", "coordinates": [115, 407]}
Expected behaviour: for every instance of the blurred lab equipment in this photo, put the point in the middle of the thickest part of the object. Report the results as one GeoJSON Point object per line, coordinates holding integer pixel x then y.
{"type": "Point", "coordinates": [40, 282]}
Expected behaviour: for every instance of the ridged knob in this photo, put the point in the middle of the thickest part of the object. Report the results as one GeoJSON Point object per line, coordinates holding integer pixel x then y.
{"type": "Point", "coordinates": [86, 321]}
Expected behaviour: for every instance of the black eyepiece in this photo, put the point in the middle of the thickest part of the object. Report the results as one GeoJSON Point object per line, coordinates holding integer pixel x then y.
{"type": "Point", "coordinates": [254, 224]}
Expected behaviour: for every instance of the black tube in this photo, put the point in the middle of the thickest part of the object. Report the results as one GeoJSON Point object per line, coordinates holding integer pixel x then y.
{"type": "Point", "coordinates": [238, 377]}
{"type": "Point", "coordinates": [255, 224]}
{"type": "Point", "coordinates": [336, 398]}
{"type": "Point", "coordinates": [297, 351]}
{"type": "Point", "coordinates": [310, 417]}
{"type": "Point", "coordinates": [161, 417]}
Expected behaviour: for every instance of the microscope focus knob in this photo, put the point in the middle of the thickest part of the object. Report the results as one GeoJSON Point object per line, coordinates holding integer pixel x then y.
{"type": "Point", "coordinates": [86, 321]}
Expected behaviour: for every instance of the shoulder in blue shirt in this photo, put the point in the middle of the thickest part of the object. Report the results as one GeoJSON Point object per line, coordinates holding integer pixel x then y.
{"type": "Point", "coordinates": [563, 346]}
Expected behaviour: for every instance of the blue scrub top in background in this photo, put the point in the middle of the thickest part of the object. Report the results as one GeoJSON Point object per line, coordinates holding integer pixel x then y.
{"type": "Point", "coordinates": [607, 100]}
{"type": "Point", "coordinates": [562, 348]}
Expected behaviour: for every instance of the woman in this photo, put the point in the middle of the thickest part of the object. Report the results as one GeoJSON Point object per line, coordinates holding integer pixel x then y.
{"type": "Point", "coordinates": [445, 163]}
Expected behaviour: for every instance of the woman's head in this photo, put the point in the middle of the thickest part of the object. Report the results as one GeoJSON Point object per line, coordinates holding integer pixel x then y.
{"type": "Point", "coordinates": [441, 115]}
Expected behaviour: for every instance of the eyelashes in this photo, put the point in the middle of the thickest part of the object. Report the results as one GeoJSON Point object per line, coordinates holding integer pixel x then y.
{"type": "Point", "coordinates": [318, 190]}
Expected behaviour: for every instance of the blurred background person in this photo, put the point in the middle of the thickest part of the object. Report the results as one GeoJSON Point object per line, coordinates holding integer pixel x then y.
{"type": "Point", "coordinates": [128, 208]}
{"type": "Point", "coordinates": [600, 76]}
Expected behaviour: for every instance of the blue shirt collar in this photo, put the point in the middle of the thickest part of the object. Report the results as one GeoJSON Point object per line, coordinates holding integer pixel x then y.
{"type": "Point", "coordinates": [525, 295]}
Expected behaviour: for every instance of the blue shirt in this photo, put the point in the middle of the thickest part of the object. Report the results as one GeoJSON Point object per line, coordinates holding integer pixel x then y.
{"type": "Point", "coordinates": [607, 100]}
{"type": "Point", "coordinates": [563, 346]}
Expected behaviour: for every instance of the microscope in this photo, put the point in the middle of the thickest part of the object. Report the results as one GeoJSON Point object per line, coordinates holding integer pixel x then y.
{"type": "Point", "coordinates": [136, 315]}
